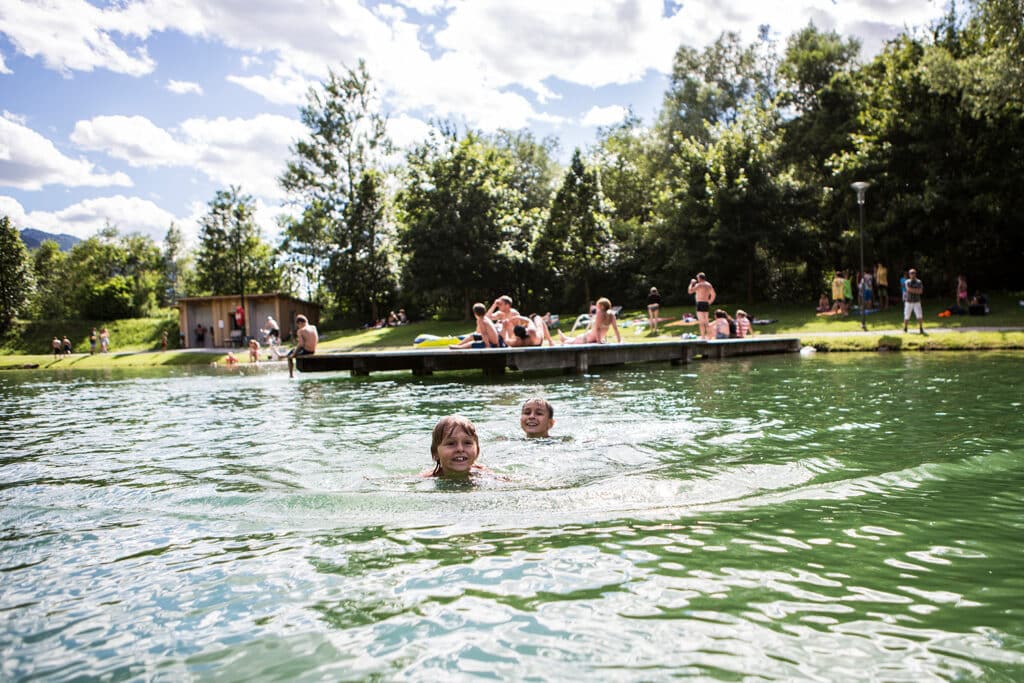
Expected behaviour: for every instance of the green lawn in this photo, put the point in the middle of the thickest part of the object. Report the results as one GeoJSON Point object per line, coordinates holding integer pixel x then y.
{"type": "Point", "coordinates": [791, 319]}
{"type": "Point", "coordinates": [135, 343]}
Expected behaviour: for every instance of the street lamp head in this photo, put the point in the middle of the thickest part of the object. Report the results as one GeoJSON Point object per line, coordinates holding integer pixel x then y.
{"type": "Point", "coordinates": [861, 187]}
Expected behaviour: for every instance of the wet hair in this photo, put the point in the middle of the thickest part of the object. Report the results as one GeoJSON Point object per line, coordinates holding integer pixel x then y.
{"type": "Point", "coordinates": [701, 276]}
{"type": "Point", "coordinates": [505, 298]}
{"type": "Point", "coordinates": [519, 331]}
{"type": "Point", "coordinates": [719, 313]}
{"type": "Point", "coordinates": [544, 402]}
{"type": "Point", "coordinates": [301, 319]}
{"type": "Point", "coordinates": [605, 303]}
{"type": "Point", "coordinates": [444, 428]}
{"type": "Point", "coordinates": [479, 309]}
{"type": "Point", "coordinates": [654, 290]}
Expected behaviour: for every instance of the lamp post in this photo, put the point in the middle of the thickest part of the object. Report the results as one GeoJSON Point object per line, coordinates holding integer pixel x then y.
{"type": "Point", "coordinates": [861, 187]}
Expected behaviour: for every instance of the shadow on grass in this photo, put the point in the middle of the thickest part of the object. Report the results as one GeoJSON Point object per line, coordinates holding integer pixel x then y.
{"type": "Point", "coordinates": [888, 342]}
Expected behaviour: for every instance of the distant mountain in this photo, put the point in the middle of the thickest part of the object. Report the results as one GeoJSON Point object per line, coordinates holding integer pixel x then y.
{"type": "Point", "coordinates": [33, 238]}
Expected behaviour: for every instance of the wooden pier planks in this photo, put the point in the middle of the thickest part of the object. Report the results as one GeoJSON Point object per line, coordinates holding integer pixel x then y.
{"type": "Point", "coordinates": [574, 358]}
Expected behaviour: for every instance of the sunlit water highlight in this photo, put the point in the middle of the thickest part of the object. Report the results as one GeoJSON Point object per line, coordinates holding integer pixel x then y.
{"type": "Point", "coordinates": [825, 518]}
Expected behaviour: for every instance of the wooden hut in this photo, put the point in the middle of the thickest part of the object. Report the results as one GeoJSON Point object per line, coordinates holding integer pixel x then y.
{"type": "Point", "coordinates": [229, 321]}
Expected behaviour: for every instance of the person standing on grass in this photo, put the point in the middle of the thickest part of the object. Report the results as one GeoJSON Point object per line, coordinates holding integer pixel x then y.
{"type": "Point", "coordinates": [915, 288]}
{"type": "Point", "coordinates": [882, 285]}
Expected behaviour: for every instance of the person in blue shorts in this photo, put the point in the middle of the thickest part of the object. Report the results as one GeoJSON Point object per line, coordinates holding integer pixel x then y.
{"type": "Point", "coordinates": [486, 334]}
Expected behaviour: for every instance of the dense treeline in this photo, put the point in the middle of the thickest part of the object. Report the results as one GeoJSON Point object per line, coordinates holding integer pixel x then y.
{"type": "Point", "coordinates": [745, 174]}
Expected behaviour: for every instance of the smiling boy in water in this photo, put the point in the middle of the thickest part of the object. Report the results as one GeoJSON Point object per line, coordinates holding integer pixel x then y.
{"type": "Point", "coordinates": [454, 446]}
{"type": "Point", "coordinates": [537, 418]}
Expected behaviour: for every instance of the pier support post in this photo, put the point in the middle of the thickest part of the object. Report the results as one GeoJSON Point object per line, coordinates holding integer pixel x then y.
{"type": "Point", "coordinates": [582, 363]}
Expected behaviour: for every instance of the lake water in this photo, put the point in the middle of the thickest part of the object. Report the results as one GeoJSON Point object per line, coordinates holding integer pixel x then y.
{"type": "Point", "coordinates": [839, 517]}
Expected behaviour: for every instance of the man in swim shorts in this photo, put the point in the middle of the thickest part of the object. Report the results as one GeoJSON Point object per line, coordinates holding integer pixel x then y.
{"type": "Point", "coordinates": [704, 293]}
{"type": "Point", "coordinates": [306, 339]}
{"type": "Point", "coordinates": [915, 288]}
{"type": "Point", "coordinates": [485, 336]}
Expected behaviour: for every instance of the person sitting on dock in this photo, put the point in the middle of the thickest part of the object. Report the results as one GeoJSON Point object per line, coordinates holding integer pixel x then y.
{"type": "Point", "coordinates": [306, 339]}
{"type": "Point", "coordinates": [536, 418]}
{"type": "Point", "coordinates": [742, 324]}
{"type": "Point", "coordinates": [522, 331]}
{"type": "Point", "coordinates": [486, 335]}
{"type": "Point", "coordinates": [602, 320]}
{"type": "Point", "coordinates": [502, 309]}
{"type": "Point", "coordinates": [719, 327]}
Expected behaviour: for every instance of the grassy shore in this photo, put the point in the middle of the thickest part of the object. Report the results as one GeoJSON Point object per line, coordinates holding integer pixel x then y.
{"type": "Point", "coordinates": [139, 339]}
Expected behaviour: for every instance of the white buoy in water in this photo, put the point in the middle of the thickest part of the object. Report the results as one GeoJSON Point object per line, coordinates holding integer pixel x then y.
{"type": "Point", "coordinates": [808, 350]}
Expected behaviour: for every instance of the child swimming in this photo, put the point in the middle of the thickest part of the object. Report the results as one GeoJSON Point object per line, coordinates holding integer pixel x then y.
{"type": "Point", "coordinates": [454, 446]}
{"type": "Point", "coordinates": [537, 417]}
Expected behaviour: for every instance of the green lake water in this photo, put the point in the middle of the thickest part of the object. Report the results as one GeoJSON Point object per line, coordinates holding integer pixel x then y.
{"type": "Point", "coordinates": [837, 517]}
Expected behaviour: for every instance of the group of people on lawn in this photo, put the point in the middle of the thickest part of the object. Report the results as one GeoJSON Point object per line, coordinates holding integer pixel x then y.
{"type": "Point", "coordinates": [501, 325]}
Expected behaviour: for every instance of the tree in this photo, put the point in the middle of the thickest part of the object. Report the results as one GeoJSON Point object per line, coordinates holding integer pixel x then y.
{"type": "Point", "coordinates": [16, 282]}
{"type": "Point", "coordinates": [347, 139]}
{"type": "Point", "coordinates": [576, 243]}
{"type": "Point", "coordinates": [50, 270]}
{"type": "Point", "coordinates": [459, 217]}
{"type": "Point", "coordinates": [232, 258]}
{"type": "Point", "coordinates": [176, 266]}
{"type": "Point", "coordinates": [362, 275]}
{"type": "Point", "coordinates": [631, 184]}
{"type": "Point", "coordinates": [710, 87]}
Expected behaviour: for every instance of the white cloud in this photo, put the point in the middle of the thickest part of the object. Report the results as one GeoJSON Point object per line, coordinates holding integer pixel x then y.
{"type": "Point", "coordinates": [250, 153]}
{"type": "Point", "coordinates": [604, 116]}
{"type": "Point", "coordinates": [85, 218]}
{"type": "Point", "coordinates": [184, 87]}
{"type": "Point", "coordinates": [72, 35]}
{"type": "Point", "coordinates": [3, 65]}
{"type": "Point", "coordinates": [29, 161]}
{"type": "Point", "coordinates": [283, 86]}
{"type": "Point", "coordinates": [406, 131]}
{"type": "Point", "coordinates": [134, 139]}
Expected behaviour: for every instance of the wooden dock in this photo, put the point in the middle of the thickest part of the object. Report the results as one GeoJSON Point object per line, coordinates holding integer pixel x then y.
{"type": "Point", "coordinates": [577, 358]}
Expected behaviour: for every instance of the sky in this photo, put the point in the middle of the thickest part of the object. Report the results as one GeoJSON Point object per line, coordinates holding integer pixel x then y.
{"type": "Point", "coordinates": [135, 112]}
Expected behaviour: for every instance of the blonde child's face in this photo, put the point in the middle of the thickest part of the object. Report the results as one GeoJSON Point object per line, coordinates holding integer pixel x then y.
{"type": "Point", "coordinates": [535, 420]}
{"type": "Point", "coordinates": [456, 453]}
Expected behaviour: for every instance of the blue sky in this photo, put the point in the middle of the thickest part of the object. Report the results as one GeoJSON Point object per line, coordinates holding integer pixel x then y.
{"type": "Point", "coordinates": [136, 112]}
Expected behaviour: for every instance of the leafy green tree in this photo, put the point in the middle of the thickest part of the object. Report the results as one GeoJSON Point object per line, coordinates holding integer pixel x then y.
{"type": "Point", "coordinates": [458, 217]}
{"type": "Point", "coordinates": [576, 242]}
{"type": "Point", "coordinates": [108, 299]}
{"type": "Point", "coordinates": [176, 266]}
{"type": "Point", "coordinates": [631, 184]}
{"type": "Point", "coordinates": [52, 296]}
{"type": "Point", "coordinates": [822, 92]}
{"type": "Point", "coordinates": [710, 87]}
{"type": "Point", "coordinates": [363, 274]}
{"type": "Point", "coordinates": [16, 281]}
{"type": "Point", "coordinates": [347, 139]}
{"type": "Point", "coordinates": [945, 166]}
{"type": "Point", "coordinates": [132, 260]}
{"type": "Point", "coordinates": [232, 258]}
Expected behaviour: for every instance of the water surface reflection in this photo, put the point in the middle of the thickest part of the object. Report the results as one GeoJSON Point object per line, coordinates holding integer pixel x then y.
{"type": "Point", "coordinates": [853, 518]}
